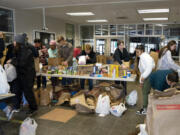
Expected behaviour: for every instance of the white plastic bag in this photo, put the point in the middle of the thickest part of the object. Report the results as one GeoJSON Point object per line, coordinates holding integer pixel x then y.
{"type": "Point", "coordinates": [118, 110]}
{"type": "Point", "coordinates": [103, 105]}
{"type": "Point", "coordinates": [82, 60]}
{"type": "Point", "coordinates": [10, 72]}
{"type": "Point", "coordinates": [28, 127]}
{"type": "Point", "coordinates": [4, 86]}
{"type": "Point", "coordinates": [142, 129]}
{"type": "Point", "coordinates": [132, 98]}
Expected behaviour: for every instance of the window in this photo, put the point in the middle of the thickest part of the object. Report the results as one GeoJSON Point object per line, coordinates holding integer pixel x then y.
{"type": "Point", "coordinates": [140, 29]}
{"type": "Point", "coordinates": [98, 30]}
{"type": "Point", "coordinates": [149, 29]}
{"type": "Point", "coordinates": [100, 46]}
{"type": "Point", "coordinates": [86, 31]}
{"type": "Point", "coordinates": [120, 30]}
{"type": "Point", "coordinates": [70, 33]}
{"type": "Point", "coordinates": [105, 29]}
{"type": "Point", "coordinates": [157, 30]}
{"type": "Point", "coordinates": [132, 29]}
{"type": "Point", "coordinates": [112, 29]}
{"type": "Point", "coordinates": [6, 20]}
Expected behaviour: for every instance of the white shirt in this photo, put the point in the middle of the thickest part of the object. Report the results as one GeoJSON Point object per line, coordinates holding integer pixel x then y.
{"type": "Point", "coordinates": [146, 65]}
{"type": "Point", "coordinates": [166, 62]}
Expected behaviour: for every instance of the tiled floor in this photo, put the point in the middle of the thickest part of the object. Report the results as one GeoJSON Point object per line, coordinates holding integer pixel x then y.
{"type": "Point", "coordinates": [82, 124]}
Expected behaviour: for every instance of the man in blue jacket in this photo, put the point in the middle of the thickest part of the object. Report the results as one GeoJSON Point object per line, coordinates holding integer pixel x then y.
{"type": "Point", "coordinates": [159, 80]}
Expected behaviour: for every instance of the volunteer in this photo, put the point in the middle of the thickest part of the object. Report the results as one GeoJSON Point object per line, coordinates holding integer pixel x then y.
{"type": "Point", "coordinates": [43, 55]}
{"type": "Point", "coordinates": [165, 57]}
{"type": "Point", "coordinates": [90, 59]}
{"type": "Point", "coordinates": [77, 51]}
{"type": "Point", "coordinates": [121, 55]}
{"type": "Point", "coordinates": [145, 65]}
{"type": "Point", "coordinates": [24, 62]}
{"type": "Point", "coordinates": [159, 80]}
{"type": "Point", "coordinates": [52, 51]}
{"type": "Point", "coordinates": [65, 52]}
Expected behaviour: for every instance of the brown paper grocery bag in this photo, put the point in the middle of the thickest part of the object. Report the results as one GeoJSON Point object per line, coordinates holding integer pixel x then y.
{"type": "Point", "coordinates": [36, 63]}
{"type": "Point", "coordinates": [44, 97]}
{"type": "Point", "coordinates": [163, 115]}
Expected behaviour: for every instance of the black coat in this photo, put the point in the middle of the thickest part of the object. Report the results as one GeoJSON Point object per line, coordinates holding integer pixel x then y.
{"type": "Point", "coordinates": [33, 49]}
{"type": "Point", "coordinates": [2, 47]}
{"type": "Point", "coordinates": [10, 53]}
{"type": "Point", "coordinates": [119, 56]}
{"type": "Point", "coordinates": [23, 60]}
{"type": "Point", "coordinates": [92, 56]}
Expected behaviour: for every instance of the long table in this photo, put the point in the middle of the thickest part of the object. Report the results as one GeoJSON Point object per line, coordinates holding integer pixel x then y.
{"type": "Point", "coordinates": [128, 79]}
{"type": "Point", "coordinates": [5, 96]}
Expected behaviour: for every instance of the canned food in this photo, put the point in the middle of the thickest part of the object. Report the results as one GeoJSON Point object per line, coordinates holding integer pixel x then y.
{"type": "Point", "coordinates": [128, 74]}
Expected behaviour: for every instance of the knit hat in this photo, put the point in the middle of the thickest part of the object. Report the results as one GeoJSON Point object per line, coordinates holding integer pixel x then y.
{"type": "Point", "coordinates": [52, 42]}
{"type": "Point", "coordinates": [19, 39]}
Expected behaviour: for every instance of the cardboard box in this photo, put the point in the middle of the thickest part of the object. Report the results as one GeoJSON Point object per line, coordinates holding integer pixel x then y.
{"type": "Point", "coordinates": [55, 61]}
{"type": "Point", "coordinates": [85, 69]}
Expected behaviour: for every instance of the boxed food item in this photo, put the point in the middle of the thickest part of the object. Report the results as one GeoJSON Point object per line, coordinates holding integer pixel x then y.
{"type": "Point", "coordinates": [85, 69]}
{"type": "Point", "coordinates": [113, 67]}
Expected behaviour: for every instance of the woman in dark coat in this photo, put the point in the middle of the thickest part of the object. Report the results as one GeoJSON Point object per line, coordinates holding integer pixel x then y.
{"type": "Point", "coordinates": [24, 62]}
{"type": "Point", "coordinates": [121, 55]}
{"type": "Point", "coordinates": [90, 59]}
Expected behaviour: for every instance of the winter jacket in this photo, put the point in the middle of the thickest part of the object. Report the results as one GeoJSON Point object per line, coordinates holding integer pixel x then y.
{"type": "Point", "coordinates": [33, 49]}
{"type": "Point", "coordinates": [66, 52]}
{"type": "Point", "coordinates": [146, 65]}
{"type": "Point", "coordinates": [23, 60]}
{"type": "Point", "coordinates": [92, 56]}
{"type": "Point", "coordinates": [2, 47]}
{"type": "Point", "coordinates": [9, 53]}
{"type": "Point", "coordinates": [166, 62]}
{"type": "Point", "coordinates": [121, 56]}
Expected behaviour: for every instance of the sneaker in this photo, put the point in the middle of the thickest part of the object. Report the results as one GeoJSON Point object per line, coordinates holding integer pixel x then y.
{"type": "Point", "coordinates": [143, 111]}
{"type": "Point", "coordinates": [9, 113]}
{"type": "Point", "coordinates": [16, 110]}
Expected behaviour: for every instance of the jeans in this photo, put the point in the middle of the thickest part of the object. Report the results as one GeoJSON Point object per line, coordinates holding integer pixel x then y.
{"type": "Point", "coordinates": [66, 81]}
{"type": "Point", "coordinates": [90, 82]}
{"type": "Point", "coordinates": [41, 79]}
{"type": "Point", "coordinates": [145, 91]}
{"type": "Point", "coordinates": [124, 86]}
{"type": "Point", "coordinates": [2, 105]}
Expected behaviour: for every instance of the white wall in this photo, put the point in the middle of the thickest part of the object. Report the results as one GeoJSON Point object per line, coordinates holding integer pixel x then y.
{"type": "Point", "coordinates": [27, 21]}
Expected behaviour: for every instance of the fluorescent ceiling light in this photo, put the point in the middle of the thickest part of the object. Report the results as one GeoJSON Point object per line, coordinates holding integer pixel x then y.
{"type": "Point", "coordinates": [80, 14]}
{"type": "Point", "coordinates": [97, 20]}
{"type": "Point", "coordinates": [145, 11]}
{"type": "Point", "coordinates": [155, 19]}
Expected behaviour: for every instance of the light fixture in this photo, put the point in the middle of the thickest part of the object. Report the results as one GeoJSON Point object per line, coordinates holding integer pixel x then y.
{"type": "Point", "coordinates": [155, 19]}
{"type": "Point", "coordinates": [80, 14]}
{"type": "Point", "coordinates": [146, 11]}
{"type": "Point", "coordinates": [93, 21]}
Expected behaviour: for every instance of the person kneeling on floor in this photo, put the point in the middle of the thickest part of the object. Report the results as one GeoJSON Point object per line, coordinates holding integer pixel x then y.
{"type": "Point", "coordinates": [159, 80]}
